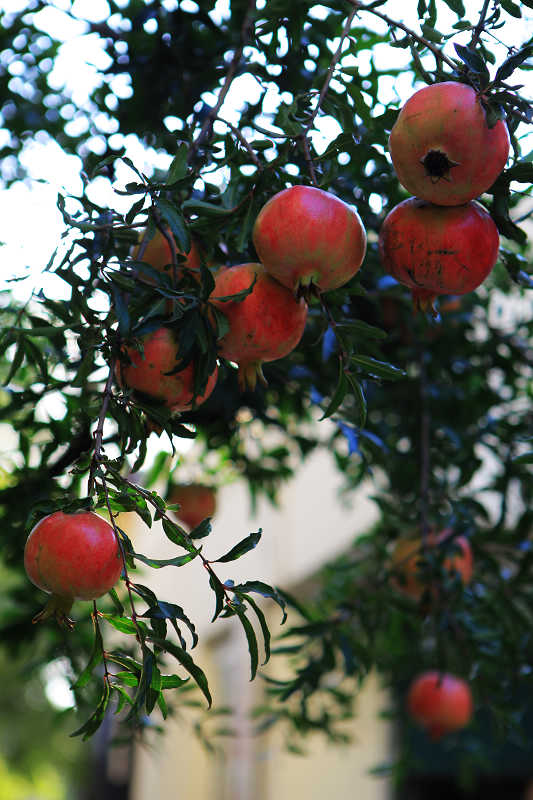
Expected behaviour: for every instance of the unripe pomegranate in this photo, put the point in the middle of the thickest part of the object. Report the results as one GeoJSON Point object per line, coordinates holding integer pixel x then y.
{"type": "Point", "coordinates": [442, 148]}
{"type": "Point", "coordinates": [435, 250]}
{"type": "Point", "coordinates": [72, 557]}
{"type": "Point", "coordinates": [268, 324]}
{"type": "Point", "coordinates": [305, 236]}
{"type": "Point", "coordinates": [440, 702]}
{"type": "Point", "coordinates": [149, 373]}
{"type": "Point", "coordinates": [197, 502]}
{"type": "Point", "coordinates": [159, 255]}
{"type": "Point", "coordinates": [408, 552]}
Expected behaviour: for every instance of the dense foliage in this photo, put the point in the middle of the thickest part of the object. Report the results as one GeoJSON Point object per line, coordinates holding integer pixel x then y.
{"type": "Point", "coordinates": [436, 410]}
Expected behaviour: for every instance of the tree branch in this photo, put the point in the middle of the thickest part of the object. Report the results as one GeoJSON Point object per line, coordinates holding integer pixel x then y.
{"type": "Point", "coordinates": [437, 52]}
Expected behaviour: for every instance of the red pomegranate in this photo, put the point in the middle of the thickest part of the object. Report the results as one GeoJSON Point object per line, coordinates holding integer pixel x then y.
{"type": "Point", "coordinates": [158, 255]}
{"type": "Point", "coordinates": [440, 702]}
{"type": "Point", "coordinates": [408, 552]}
{"type": "Point", "coordinates": [197, 502]}
{"type": "Point", "coordinates": [265, 326]}
{"type": "Point", "coordinates": [149, 373]}
{"type": "Point", "coordinates": [442, 148]}
{"type": "Point", "coordinates": [72, 557]}
{"type": "Point", "coordinates": [305, 236]}
{"type": "Point", "coordinates": [438, 250]}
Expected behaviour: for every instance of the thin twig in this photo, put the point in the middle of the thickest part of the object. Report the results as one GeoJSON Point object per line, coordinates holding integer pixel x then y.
{"type": "Point", "coordinates": [437, 52]}
{"type": "Point", "coordinates": [476, 33]}
{"type": "Point", "coordinates": [98, 436]}
{"type": "Point", "coordinates": [245, 143]}
{"type": "Point", "coordinates": [150, 499]}
{"type": "Point", "coordinates": [207, 125]}
{"type": "Point", "coordinates": [96, 623]}
{"type": "Point", "coordinates": [331, 70]}
{"type": "Point", "coordinates": [308, 158]}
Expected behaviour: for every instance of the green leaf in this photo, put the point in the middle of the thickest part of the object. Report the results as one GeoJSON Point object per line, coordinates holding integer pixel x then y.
{"type": "Point", "coordinates": [178, 168]}
{"type": "Point", "coordinates": [525, 458]}
{"type": "Point", "coordinates": [187, 663]}
{"type": "Point", "coordinates": [94, 660]}
{"type": "Point", "coordinates": [16, 363]}
{"type": "Point", "coordinates": [202, 530]}
{"type": "Point", "coordinates": [122, 624]}
{"type": "Point", "coordinates": [173, 681]}
{"type": "Point", "coordinates": [457, 7]}
{"type": "Point", "coordinates": [510, 64]}
{"type": "Point", "coordinates": [158, 563]}
{"type": "Point", "coordinates": [251, 639]}
{"type": "Point", "coordinates": [363, 329]}
{"type": "Point", "coordinates": [177, 223]}
{"type": "Point", "coordinates": [244, 546]}
{"type": "Point", "coordinates": [127, 678]}
{"type": "Point", "coordinates": [265, 591]}
{"type": "Point", "coordinates": [472, 59]}
{"type": "Point", "coordinates": [165, 610]}
{"type": "Point", "coordinates": [263, 624]}
{"type": "Point", "coordinates": [177, 535]}
{"type": "Point", "coordinates": [220, 597]}
{"type": "Point", "coordinates": [96, 719]}
{"type": "Point", "coordinates": [431, 33]}
{"type": "Point", "coordinates": [338, 395]}
{"type": "Point", "coordinates": [204, 209]}
{"type": "Point", "coordinates": [382, 369]}
{"type": "Point", "coordinates": [360, 399]}
{"type": "Point", "coordinates": [512, 8]}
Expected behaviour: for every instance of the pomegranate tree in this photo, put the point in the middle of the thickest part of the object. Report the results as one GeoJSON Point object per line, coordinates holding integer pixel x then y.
{"type": "Point", "coordinates": [266, 325]}
{"type": "Point", "coordinates": [152, 372]}
{"type": "Point", "coordinates": [442, 148]}
{"type": "Point", "coordinates": [196, 501]}
{"type": "Point", "coordinates": [408, 553]}
{"type": "Point", "coordinates": [435, 250]}
{"type": "Point", "coordinates": [440, 702]}
{"type": "Point", "coordinates": [308, 237]}
{"type": "Point", "coordinates": [72, 557]}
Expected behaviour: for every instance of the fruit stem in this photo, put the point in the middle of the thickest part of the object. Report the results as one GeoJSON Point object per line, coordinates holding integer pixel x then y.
{"type": "Point", "coordinates": [59, 608]}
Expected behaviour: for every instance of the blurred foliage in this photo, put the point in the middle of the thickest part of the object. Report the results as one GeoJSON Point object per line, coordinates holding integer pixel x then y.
{"type": "Point", "coordinates": [437, 412]}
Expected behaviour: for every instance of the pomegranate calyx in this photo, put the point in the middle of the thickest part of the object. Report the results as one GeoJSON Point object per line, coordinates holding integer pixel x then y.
{"type": "Point", "coordinates": [59, 608]}
{"type": "Point", "coordinates": [424, 300]}
{"type": "Point", "coordinates": [249, 374]}
{"type": "Point", "coordinates": [438, 165]}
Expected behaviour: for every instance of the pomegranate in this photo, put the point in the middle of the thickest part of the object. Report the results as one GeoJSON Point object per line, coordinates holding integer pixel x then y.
{"type": "Point", "coordinates": [440, 702]}
{"type": "Point", "coordinates": [72, 557]}
{"type": "Point", "coordinates": [441, 147]}
{"type": "Point", "coordinates": [307, 237]}
{"type": "Point", "coordinates": [159, 255]}
{"type": "Point", "coordinates": [149, 373]}
{"type": "Point", "coordinates": [408, 552]}
{"type": "Point", "coordinates": [265, 326]}
{"type": "Point", "coordinates": [197, 502]}
{"type": "Point", "coordinates": [435, 250]}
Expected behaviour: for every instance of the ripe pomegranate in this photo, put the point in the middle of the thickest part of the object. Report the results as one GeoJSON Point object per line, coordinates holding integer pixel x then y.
{"type": "Point", "coordinates": [441, 147]}
{"type": "Point", "coordinates": [408, 552]}
{"type": "Point", "coordinates": [197, 502]}
{"type": "Point", "coordinates": [150, 373]}
{"type": "Point", "coordinates": [307, 237]}
{"type": "Point", "coordinates": [440, 702]}
{"type": "Point", "coordinates": [265, 326]}
{"type": "Point", "coordinates": [159, 255]}
{"type": "Point", "coordinates": [72, 557]}
{"type": "Point", "coordinates": [435, 250]}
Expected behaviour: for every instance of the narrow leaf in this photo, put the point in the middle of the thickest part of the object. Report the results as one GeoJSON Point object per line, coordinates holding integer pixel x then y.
{"type": "Point", "coordinates": [244, 546]}
{"type": "Point", "coordinates": [252, 641]}
{"type": "Point", "coordinates": [187, 663]}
